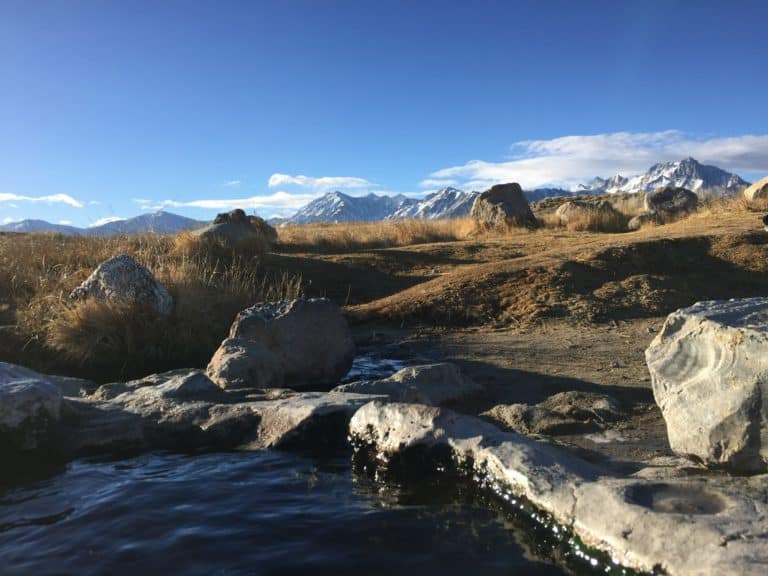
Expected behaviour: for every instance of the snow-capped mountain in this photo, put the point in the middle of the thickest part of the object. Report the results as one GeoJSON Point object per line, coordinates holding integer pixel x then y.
{"type": "Point", "coordinates": [687, 173]}
{"type": "Point", "coordinates": [40, 226]}
{"type": "Point", "coordinates": [157, 222]}
{"type": "Point", "coordinates": [338, 207]}
{"type": "Point", "coordinates": [445, 203]}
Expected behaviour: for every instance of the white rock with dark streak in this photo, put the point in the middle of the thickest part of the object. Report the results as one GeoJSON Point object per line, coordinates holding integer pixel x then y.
{"type": "Point", "coordinates": [709, 368]}
{"type": "Point", "coordinates": [122, 279]}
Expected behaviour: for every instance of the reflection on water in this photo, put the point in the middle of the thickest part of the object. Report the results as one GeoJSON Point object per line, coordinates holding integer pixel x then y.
{"type": "Point", "coordinates": [250, 513]}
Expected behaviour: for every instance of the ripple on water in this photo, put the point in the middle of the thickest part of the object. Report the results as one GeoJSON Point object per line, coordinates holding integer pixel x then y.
{"type": "Point", "coordinates": [248, 513]}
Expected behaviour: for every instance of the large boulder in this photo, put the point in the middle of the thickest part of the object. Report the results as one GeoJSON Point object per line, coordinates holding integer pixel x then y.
{"type": "Point", "coordinates": [433, 384]}
{"type": "Point", "coordinates": [122, 279]}
{"type": "Point", "coordinates": [587, 213]}
{"type": "Point", "coordinates": [30, 407]}
{"type": "Point", "coordinates": [299, 343]}
{"type": "Point", "coordinates": [758, 192]}
{"type": "Point", "coordinates": [233, 228]}
{"type": "Point", "coordinates": [503, 205]}
{"type": "Point", "coordinates": [671, 200]}
{"type": "Point", "coordinates": [709, 368]}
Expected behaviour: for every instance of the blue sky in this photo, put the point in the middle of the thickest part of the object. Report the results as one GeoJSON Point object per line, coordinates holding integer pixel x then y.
{"type": "Point", "coordinates": [112, 108]}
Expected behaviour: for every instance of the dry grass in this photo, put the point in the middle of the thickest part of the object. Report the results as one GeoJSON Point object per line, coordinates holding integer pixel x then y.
{"type": "Point", "coordinates": [107, 341]}
{"type": "Point", "coordinates": [597, 221]}
{"type": "Point", "coordinates": [359, 235]}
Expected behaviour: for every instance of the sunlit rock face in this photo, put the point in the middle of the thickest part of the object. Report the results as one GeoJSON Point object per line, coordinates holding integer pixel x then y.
{"type": "Point", "coordinates": [709, 368]}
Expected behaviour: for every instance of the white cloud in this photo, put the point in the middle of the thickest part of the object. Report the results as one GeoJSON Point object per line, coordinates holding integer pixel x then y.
{"type": "Point", "coordinates": [50, 199]}
{"type": "Point", "coordinates": [106, 220]}
{"type": "Point", "coordinates": [323, 183]}
{"type": "Point", "coordinates": [232, 183]}
{"type": "Point", "coordinates": [65, 222]}
{"type": "Point", "coordinates": [438, 183]}
{"type": "Point", "coordinates": [8, 220]}
{"type": "Point", "coordinates": [276, 201]}
{"type": "Point", "coordinates": [569, 160]}
{"type": "Point", "coordinates": [94, 203]}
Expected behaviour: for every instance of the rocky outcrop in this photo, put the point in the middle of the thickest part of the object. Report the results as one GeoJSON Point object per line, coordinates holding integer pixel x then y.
{"type": "Point", "coordinates": [30, 408]}
{"type": "Point", "coordinates": [570, 412]}
{"type": "Point", "coordinates": [694, 526]}
{"type": "Point", "coordinates": [184, 410]}
{"type": "Point", "coordinates": [431, 384]}
{"type": "Point", "coordinates": [671, 200]}
{"type": "Point", "coordinates": [122, 279]}
{"type": "Point", "coordinates": [709, 368]}
{"type": "Point", "coordinates": [757, 193]}
{"type": "Point", "coordinates": [295, 343]}
{"type": "Point", "coordinates": [642, 219]}
{"type": "Point", "coordinates": [235, 227]}
{"type": "Point", "coordinates": [576, 211]}
{"type": "Point", "coordinates": [503, 205]}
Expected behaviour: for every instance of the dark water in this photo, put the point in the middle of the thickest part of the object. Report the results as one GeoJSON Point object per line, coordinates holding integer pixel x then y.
{"type": "Point", "coordinates": [251, 513]}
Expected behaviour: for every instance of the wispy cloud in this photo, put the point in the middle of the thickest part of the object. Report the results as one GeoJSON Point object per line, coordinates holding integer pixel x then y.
{"type": "Point", "coordinates": [8, 220]}
{"type": "Point", "coordinates": [321, 184]}
{"type": "Point", "coordinates": [277, 201]}
{"type": "Point", "coordinates": [232, 183]}
{"type": "Point", "coordinates": [438, 183]}
{"type": "Point", "coordinates": [106, 220]}
{"type": "Point", "coordinates": [50, 199]}
{"type": "Point", "coordinates": [65, 222]}
{"type": "Point", "coordinates": [569, 160]}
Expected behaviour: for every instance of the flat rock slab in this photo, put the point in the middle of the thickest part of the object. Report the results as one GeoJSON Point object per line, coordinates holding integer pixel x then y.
{"type": "Point", "coordinates": [184, 409]}
{"type": "Point", "coordinates": [686, 526]}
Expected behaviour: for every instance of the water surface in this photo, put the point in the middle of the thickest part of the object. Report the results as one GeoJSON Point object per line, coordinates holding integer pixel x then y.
{"type": "Point", "coordinates": [251, 513]}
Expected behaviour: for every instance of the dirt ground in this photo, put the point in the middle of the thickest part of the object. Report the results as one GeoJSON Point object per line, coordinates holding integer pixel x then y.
{"type": "Point", "coordinates": [539, 313]}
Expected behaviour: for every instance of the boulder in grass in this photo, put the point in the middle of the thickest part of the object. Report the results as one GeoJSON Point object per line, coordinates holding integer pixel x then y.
{"type": "Point", "coordinates": [709, 368]}
{"type": "Point", "coordinates": [757, 193]}
{"type": "Point", "coordinates": [503, 205]}
{"type": "Point", "coordinates": [122, 279]}
{"type": "Point", "coordinates": [671, 200]}
{"type": "Point", "coordinates": [235, 227]}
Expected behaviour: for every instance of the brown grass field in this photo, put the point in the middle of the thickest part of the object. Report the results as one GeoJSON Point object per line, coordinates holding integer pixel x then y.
{"type": "Point", "coordinates": [444, 275]}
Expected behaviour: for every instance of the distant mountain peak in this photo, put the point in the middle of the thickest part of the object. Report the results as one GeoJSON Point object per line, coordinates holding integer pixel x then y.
{"type": "Point", "coordinates": [686, 173]}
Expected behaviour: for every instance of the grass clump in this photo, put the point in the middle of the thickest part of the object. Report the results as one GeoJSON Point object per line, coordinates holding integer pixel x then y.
{"type": "Point", "coordinates": [362, 235]}
{"type": "Point", "coordinates": [46, 331]}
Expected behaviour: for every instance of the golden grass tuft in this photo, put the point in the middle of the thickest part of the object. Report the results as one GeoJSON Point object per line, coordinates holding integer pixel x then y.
{"type": "Point", "coordinates": [106, 341]}
{"type": "Point", "coordinates": [386, 234]}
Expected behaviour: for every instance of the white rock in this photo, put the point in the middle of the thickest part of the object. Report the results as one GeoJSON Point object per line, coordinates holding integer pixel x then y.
{"type": "Point", "coordinates": [709, 368]}
{"type": "Point", "coordinates": [122, 279]}
{"type": "Point", "coordinates": [28, 409]}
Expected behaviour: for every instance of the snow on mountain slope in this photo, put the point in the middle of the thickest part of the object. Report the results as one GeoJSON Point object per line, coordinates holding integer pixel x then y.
{"type": "Point", "coordinates": [445, 203]}
{"type": "Point", "coordinates": [339, 207]}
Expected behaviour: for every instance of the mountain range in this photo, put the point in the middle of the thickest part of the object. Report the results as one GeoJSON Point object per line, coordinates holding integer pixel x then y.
{"type": "Point", "coordinates": [445, 203]}
{"type": "Point", "coordinates": [158, 222]}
